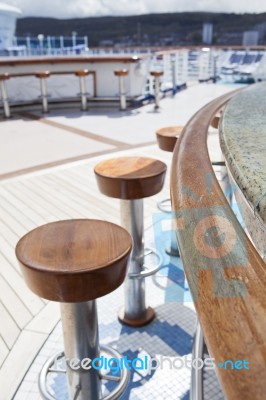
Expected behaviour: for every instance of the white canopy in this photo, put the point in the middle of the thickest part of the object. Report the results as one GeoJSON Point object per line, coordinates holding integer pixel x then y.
{"type": "Point", "coordinates": [9, 9]}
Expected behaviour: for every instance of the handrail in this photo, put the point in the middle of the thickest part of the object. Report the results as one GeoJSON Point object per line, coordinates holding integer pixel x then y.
{"type": "Point", "coordinates": [91, 72]}
{"type": "Point", "coordinates": [11, 61]}
{"type": "Point", "coordinates": [225, 273]}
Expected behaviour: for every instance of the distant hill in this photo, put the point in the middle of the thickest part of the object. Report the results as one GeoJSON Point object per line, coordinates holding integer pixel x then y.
{"type": "Point", "coordinates": [157, 29]}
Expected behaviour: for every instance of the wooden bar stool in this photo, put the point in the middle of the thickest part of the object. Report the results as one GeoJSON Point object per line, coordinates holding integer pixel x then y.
{"type": "Point", "coordinates": [82, 73]}
{"type": "Point", "coordinates": [43, 75]}
{"type": "Point", "coordinates": [173, 72]}
{"type": "Point", "coordinates": [156, 75]}
{"type": "Point", "coordinates": [166, 139]}
{"type": "Point", "coordinates": [3, 78]}
{"type": "Point", "coordinates": [215, 121]}
{"type": "Point", "coordinates": [168, 136]}
{"type": "Point", "coordinates": [215, 124]}
{"type": "Point", "coordinates": [131, 179]}
{"type": "Point", "coordinates": [224, 179]}
{"type": "Point", "coordinates": [121, 73]}
{"type": "Point", "coordinates": [74, 262]}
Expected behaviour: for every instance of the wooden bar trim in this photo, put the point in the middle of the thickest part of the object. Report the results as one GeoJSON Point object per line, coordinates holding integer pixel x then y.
{"type": "Point", "coordinates": [51, 73]}
{"type": "Point", "coordinates": [69, 60]}
{"type": "Point", "coordinates": [233, 322]}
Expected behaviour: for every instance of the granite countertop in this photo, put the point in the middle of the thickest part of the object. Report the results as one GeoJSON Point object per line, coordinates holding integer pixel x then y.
{"type": "Point", "coordinates": [243, 142]}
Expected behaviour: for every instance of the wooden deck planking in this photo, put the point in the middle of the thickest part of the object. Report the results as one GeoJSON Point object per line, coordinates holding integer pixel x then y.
{"type": "Point", "coordinates": [16, 282]}
{"type": "Point", "coordinates": [45, 321]}
{"type": "Point", "coordinates": [17, 209]}
{"type": "Point", "coordinates": [44, 198]}
{"type": "Point", "coordinates": [18, 361]}
{"type": "Point", "coordinates": [85, 201]}
{"type": "Point", "coordinates": [13, 303]}
{"type": "Point", "coordinates": [36, 202]}
{"type": "Point", "coordinates": [9, 253]}
{"type": "Point", "coordinates": [4, 351]}
{"type": "Point", "coordinates": [9, 330]}
{"type": "Point", "coordinates": [70, 208]}
{"type": "Point", "coordinates": [13, 222]}
{"type": "Point", "coordinates": [8, 232]}
{"type": "Point", "coordinates": [88, 200]}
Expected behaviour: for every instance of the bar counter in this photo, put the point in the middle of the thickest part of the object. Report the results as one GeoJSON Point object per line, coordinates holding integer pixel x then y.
{"type": "Point", "coordinates": [243, 142]}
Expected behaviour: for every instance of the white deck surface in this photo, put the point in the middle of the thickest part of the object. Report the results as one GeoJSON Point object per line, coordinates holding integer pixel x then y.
{"type": "Point", "coordinates": [63, 192]}
{"type": "Point", "coordinates": [30, 140]}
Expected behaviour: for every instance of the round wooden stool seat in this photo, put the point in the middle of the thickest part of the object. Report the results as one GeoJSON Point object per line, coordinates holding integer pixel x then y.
{"type": "Point", "coordinates": [156, 73]}
{"type": "Point", "coordinates": [75, 260]}
{"type": "Point", "coordinates": [4, 77]}
{"type": "Point", "coordinates": [42, 74]}
{"type": "Point", "coordinates": [130, 178]}
{"type": "Point", "coordinates": [215, 121]}
{"type": "Point", "coordinates": [167, 137]}
{"type": "Point", "coordinates": [121, 72]}
{"type": "Point", "coordinates": [82, 72]}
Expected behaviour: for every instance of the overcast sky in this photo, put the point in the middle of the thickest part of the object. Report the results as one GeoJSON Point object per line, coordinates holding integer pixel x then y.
{"type": "Point", "coordinates": [85, 8]}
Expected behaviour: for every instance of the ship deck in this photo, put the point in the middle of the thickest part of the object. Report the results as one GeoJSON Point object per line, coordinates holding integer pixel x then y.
{"type": "Point", "coordinates": [46, 174]}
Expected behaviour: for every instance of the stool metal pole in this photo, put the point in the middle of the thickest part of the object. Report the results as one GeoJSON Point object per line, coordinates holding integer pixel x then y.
{"type": "Point", "coordinates": [82, 84]}
{"type": "Point", "coordinates": [173, 250]}
{"type": "Point", "coordinates": [122, 93]}
{"type": "Point", "coordinates": [44, 95]}
{"type": "Point", "coordinates": [80, 330]}
{"type": "Point", "coordinates": [5, 99]}
{"type": "Point", "coordinates": [173, 70]}
{"type": "Point", "coordinates": [132, 220]}
{"type": "Point", "coordinates": [157, 91]}
{"type": "Point", "coordinates": [196, 391]}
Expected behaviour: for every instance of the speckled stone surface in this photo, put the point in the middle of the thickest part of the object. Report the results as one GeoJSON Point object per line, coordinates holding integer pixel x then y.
{"type": "Point", "coordinates": [243, 142]}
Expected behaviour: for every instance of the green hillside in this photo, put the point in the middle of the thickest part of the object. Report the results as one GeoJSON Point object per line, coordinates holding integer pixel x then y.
{"type": "Point", "coordinates": [152, 29]}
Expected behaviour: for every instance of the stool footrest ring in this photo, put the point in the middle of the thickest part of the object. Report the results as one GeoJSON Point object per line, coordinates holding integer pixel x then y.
{"type": "Point", "coordinates": [165, 205]}
{"type": "Point", "coordinates": [148, 271]}
{"type": "Point", "coordinates": [113, 395]}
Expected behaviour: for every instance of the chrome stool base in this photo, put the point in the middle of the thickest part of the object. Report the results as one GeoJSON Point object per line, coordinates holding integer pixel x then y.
{"type": "Point", "coordinates": [121, 74]}
{"type": "Point", "coordinates": [51, 367]}
{"type": "Point", "coordinates": [44, 96]}
{"type": "Point", "coordinates": [135, 311]}
{"type": "Point", "coordinates": [165, 207]}
{"type": "Point", "coordinates": [142, 320]}
{"type": "Point", "coordinates": [172, 252]}
{"type": "Point", "coordinates": [82, 74]}
{"type": "Point", "coordinates": [4, 99]}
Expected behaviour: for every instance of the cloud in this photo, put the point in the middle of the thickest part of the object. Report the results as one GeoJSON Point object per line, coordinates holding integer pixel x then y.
{"type": "Point", "coordinates": [85, 8]}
